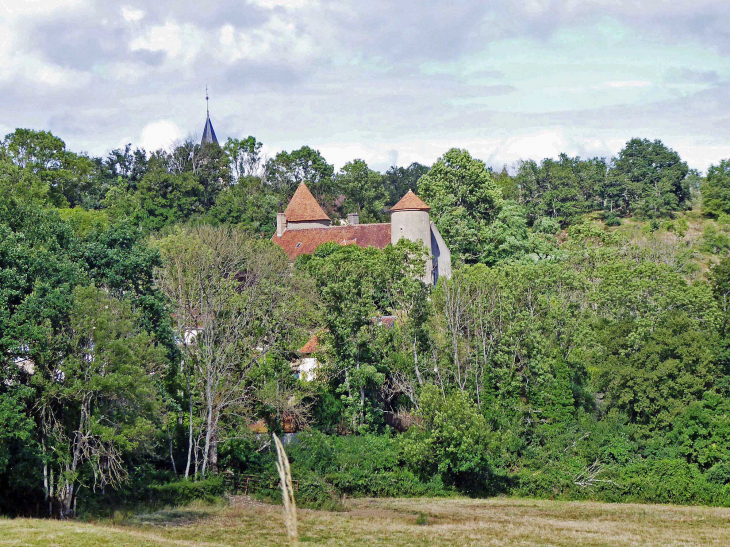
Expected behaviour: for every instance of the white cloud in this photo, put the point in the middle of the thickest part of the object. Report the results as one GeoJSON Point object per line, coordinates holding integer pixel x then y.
{"type": "Point", "coordinates": [627, 83]}
{"type": "Point", "coordinates": [19, 8]}
{"type": "Point", "coordinates": [182, 42]}
{"type": "Point", "coordinates": [131, 14]}
{"type": "Point", "coordinates": [286, 4]}
{"type": "Point", "coordinates": [279, 39]}
{"type": "Point", "coordinates": [159, 134]}
{"type": "Point", "coordinates": [125, 72]}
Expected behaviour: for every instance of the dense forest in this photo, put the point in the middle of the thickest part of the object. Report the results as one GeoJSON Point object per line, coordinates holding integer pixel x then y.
{"type": "Point", "coordinates": [581, 349]}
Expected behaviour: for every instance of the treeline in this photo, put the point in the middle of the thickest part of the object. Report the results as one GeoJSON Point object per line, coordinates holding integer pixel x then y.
{"type": "Point", "coordinates": [148, 325]}
{"type": "Point", "coordinates": [233, 184]}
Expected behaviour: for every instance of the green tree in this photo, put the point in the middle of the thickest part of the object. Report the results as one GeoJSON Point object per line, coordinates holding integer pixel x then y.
{"type": "Point", "coordinates": [649, 179]}
{"type": "Point", "coordinates": [245, 156]}
{"type": "Point", "coordinates": [398, 180]}
{"type": "Point", "coordinates": [562, 189]}
{"type": "Point", "coordinates": [236, 302]}
{"type": "Point", "coordinates": [164, 198]}
{"type": "Point", "coordinates": [101, 401]}
{"type": "Point", "coordinates": [287, 170]}
{"type": "Point", "coordinates": [45, 171]}
{"type": "Point", "coordinates": [464, 200]}
{"type": "Point", "coordinates": [356, 285]}
{"type": "Point", "coordinates": [454, 440]}
{"type": "Point", "coordinates": [364, 191]}
{"type": "Point", "coordinates": [716, 190]}
{"type": "Point", "coordinates": [247, 204]}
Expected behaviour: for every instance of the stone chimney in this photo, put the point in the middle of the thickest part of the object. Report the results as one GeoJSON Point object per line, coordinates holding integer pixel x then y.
{"type": "Point", "coordinates": [280, 220]}
{"type": "Point", "coordinates": [353, 219]}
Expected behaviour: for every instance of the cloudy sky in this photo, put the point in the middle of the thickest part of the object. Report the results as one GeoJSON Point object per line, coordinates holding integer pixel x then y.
{"type": "Point", "coordinates": [388, 81]}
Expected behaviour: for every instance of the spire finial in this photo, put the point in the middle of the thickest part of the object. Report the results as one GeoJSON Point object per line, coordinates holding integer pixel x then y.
{"type": "Point", "coordinates": [207, 109]}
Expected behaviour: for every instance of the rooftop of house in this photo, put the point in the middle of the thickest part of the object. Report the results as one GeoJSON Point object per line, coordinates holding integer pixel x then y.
{"type": "Point", "coordinates": [410, 202]}
{"type": "Point", "coordinates": [310, 347]}
{"type": "Point", "coordinates": [298, 242]}
{"type": "Point", "coordinates": [303, 207]}
{"type": "Point", "coordinates": [312, 344]}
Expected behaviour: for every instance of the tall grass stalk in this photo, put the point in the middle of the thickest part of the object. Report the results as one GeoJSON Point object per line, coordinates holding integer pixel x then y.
{"type": "Point", "coordinates": [287, 492]}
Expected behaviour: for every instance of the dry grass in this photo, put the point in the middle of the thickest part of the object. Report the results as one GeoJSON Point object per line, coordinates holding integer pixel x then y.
{"type": "Point", "coordinates": [456, 521]}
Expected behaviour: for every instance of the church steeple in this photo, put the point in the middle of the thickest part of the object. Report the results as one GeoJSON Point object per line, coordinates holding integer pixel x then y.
{"type": "Point", "coordinates": [208, 132]}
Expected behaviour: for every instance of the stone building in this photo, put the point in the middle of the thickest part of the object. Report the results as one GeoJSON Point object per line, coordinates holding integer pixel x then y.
{"type": "Point", "coordinates": [304, 226]}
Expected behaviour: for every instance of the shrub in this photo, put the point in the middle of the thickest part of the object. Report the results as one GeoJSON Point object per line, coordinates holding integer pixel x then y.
{"type": "Point", "coordinates": [713, 241]}
{"type": "Point", "coordinates": [719, 473]}
{"type": "Point", "coordinates": [182, 492]}
{"type": "Point", "coordinates": [612, 219]}
{"type": "Point", "coordinates": [453, 442]}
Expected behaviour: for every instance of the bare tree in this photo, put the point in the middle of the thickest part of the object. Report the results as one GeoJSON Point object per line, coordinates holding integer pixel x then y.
{"type": "Point", "coordinates": [235, 299]}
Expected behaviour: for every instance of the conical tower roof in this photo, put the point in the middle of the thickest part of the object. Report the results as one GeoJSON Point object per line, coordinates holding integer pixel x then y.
{"type": "Point", "coordinates": [303, 207]}
{"type": "Point", "coordinates": [208, 133]}
{"type": "Point", "coordinates": [410, 202]}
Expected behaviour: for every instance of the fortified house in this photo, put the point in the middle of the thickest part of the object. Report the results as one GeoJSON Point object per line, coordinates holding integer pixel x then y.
{"type": "Point", "coordinates": [304, 226]}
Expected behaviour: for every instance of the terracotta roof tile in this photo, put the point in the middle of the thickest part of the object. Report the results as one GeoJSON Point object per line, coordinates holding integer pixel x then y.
{"type": "Point", "coordinates": [410, 202]}
{"type": "Point", "coordinates": [298, 242]}
{"type": "Point", "coordinates": [303, 207]}
{"type": "Point", "coordinates": [311, 346]}
{"type": "Point", "coordinates": [386, 321]}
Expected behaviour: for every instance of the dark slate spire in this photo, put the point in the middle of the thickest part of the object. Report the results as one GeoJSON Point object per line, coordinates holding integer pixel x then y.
{"type": "Point", "coordinates": [208, 132]}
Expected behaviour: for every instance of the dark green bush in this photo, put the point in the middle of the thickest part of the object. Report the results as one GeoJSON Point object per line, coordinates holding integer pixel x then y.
{"type": "Point", "coordinates": [612, 220]}
{"type": "Point", "coordinates": [719, 473]}
{"type": "Point", "coordinates": [182, 492]}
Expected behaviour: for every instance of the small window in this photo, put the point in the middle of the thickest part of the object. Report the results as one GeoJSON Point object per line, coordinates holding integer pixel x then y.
{"type": "Point", "coordinates": [298, 245]}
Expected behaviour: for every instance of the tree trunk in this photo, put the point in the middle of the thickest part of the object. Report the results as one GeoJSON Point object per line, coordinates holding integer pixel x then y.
{"type": "Point", "coordinates": [190, 428]}
{"type": "Point", "coordinates": [415, 361]}
{"type": "Point", "coordinates": [208, 428]}
{"type": "Point", "coordinates": [172, 456]}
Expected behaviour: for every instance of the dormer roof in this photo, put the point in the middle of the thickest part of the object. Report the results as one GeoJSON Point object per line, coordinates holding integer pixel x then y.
{"type": "Point", "coordinates": [410, 202]}
{"type": "Point", "coordinates": [303, 207]}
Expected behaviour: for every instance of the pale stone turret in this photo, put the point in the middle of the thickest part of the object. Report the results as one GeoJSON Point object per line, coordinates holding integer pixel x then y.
{"type": "Point", "coordinates": [410, 219]}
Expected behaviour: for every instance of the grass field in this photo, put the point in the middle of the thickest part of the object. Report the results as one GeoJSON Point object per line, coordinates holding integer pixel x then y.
{"type": "Point", "coordinates": [457, 521]}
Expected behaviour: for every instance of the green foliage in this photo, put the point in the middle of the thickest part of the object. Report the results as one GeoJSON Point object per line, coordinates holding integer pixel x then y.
{"type": "Point", "coordinates": [84, 222]}
{"type": "Point", "coordinates": [355, 286]}
{"type": "Point", "coordinates": [701, 431]}
{"type": "Point", "coordinates": [716, 190]}
{"type": "Point", "coordinates": [287, 170]}
{"type": "Point", "coordinates": [248, 205]}
{"type": "Point", "coordinates": [364, 189]}
{"type": "Point", "coordinates": [464, 200]}
{"type": "Point", "coordinates": [612, 220]}
{"type": "Point", "coordinates": [648, 179]}
{"type": "Point", "coordinates": [16, 427]}
{"type": "Point", "coordinates": [357, 465]}
{"type": "Point", "coordinates": [454, 441]}
{"type": "Point", "coordinates": [398, 180]}
{"type": "Point", "coordinates": [562, 359]}
{"type": "Point", "coordinates": [714, 241]}
{"type": "Point", "coordinates": [164, 198]}
{"type": "Point", "coordinates": [562, 189]}
{"type": "Point", "coordinates": [245, 156]}
{"type": "Point", "coordinates": [181, 492]}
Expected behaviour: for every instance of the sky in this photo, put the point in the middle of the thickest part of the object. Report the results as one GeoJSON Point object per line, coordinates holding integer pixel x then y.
{"type": "Point", "coordinates": [390, 82]}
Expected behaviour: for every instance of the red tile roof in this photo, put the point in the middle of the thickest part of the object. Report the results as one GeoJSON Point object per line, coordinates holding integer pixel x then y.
{"type": "Point", "coordinates": [306, 241]}
{"type": "Point", "coordinates": [303, 207]}
{"type": "Point", "coordinates": [410, 202]}
{"type": "Point", "coordinates": [386, 321]}
{"type": "Point", "coordinates": [311, 346]}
